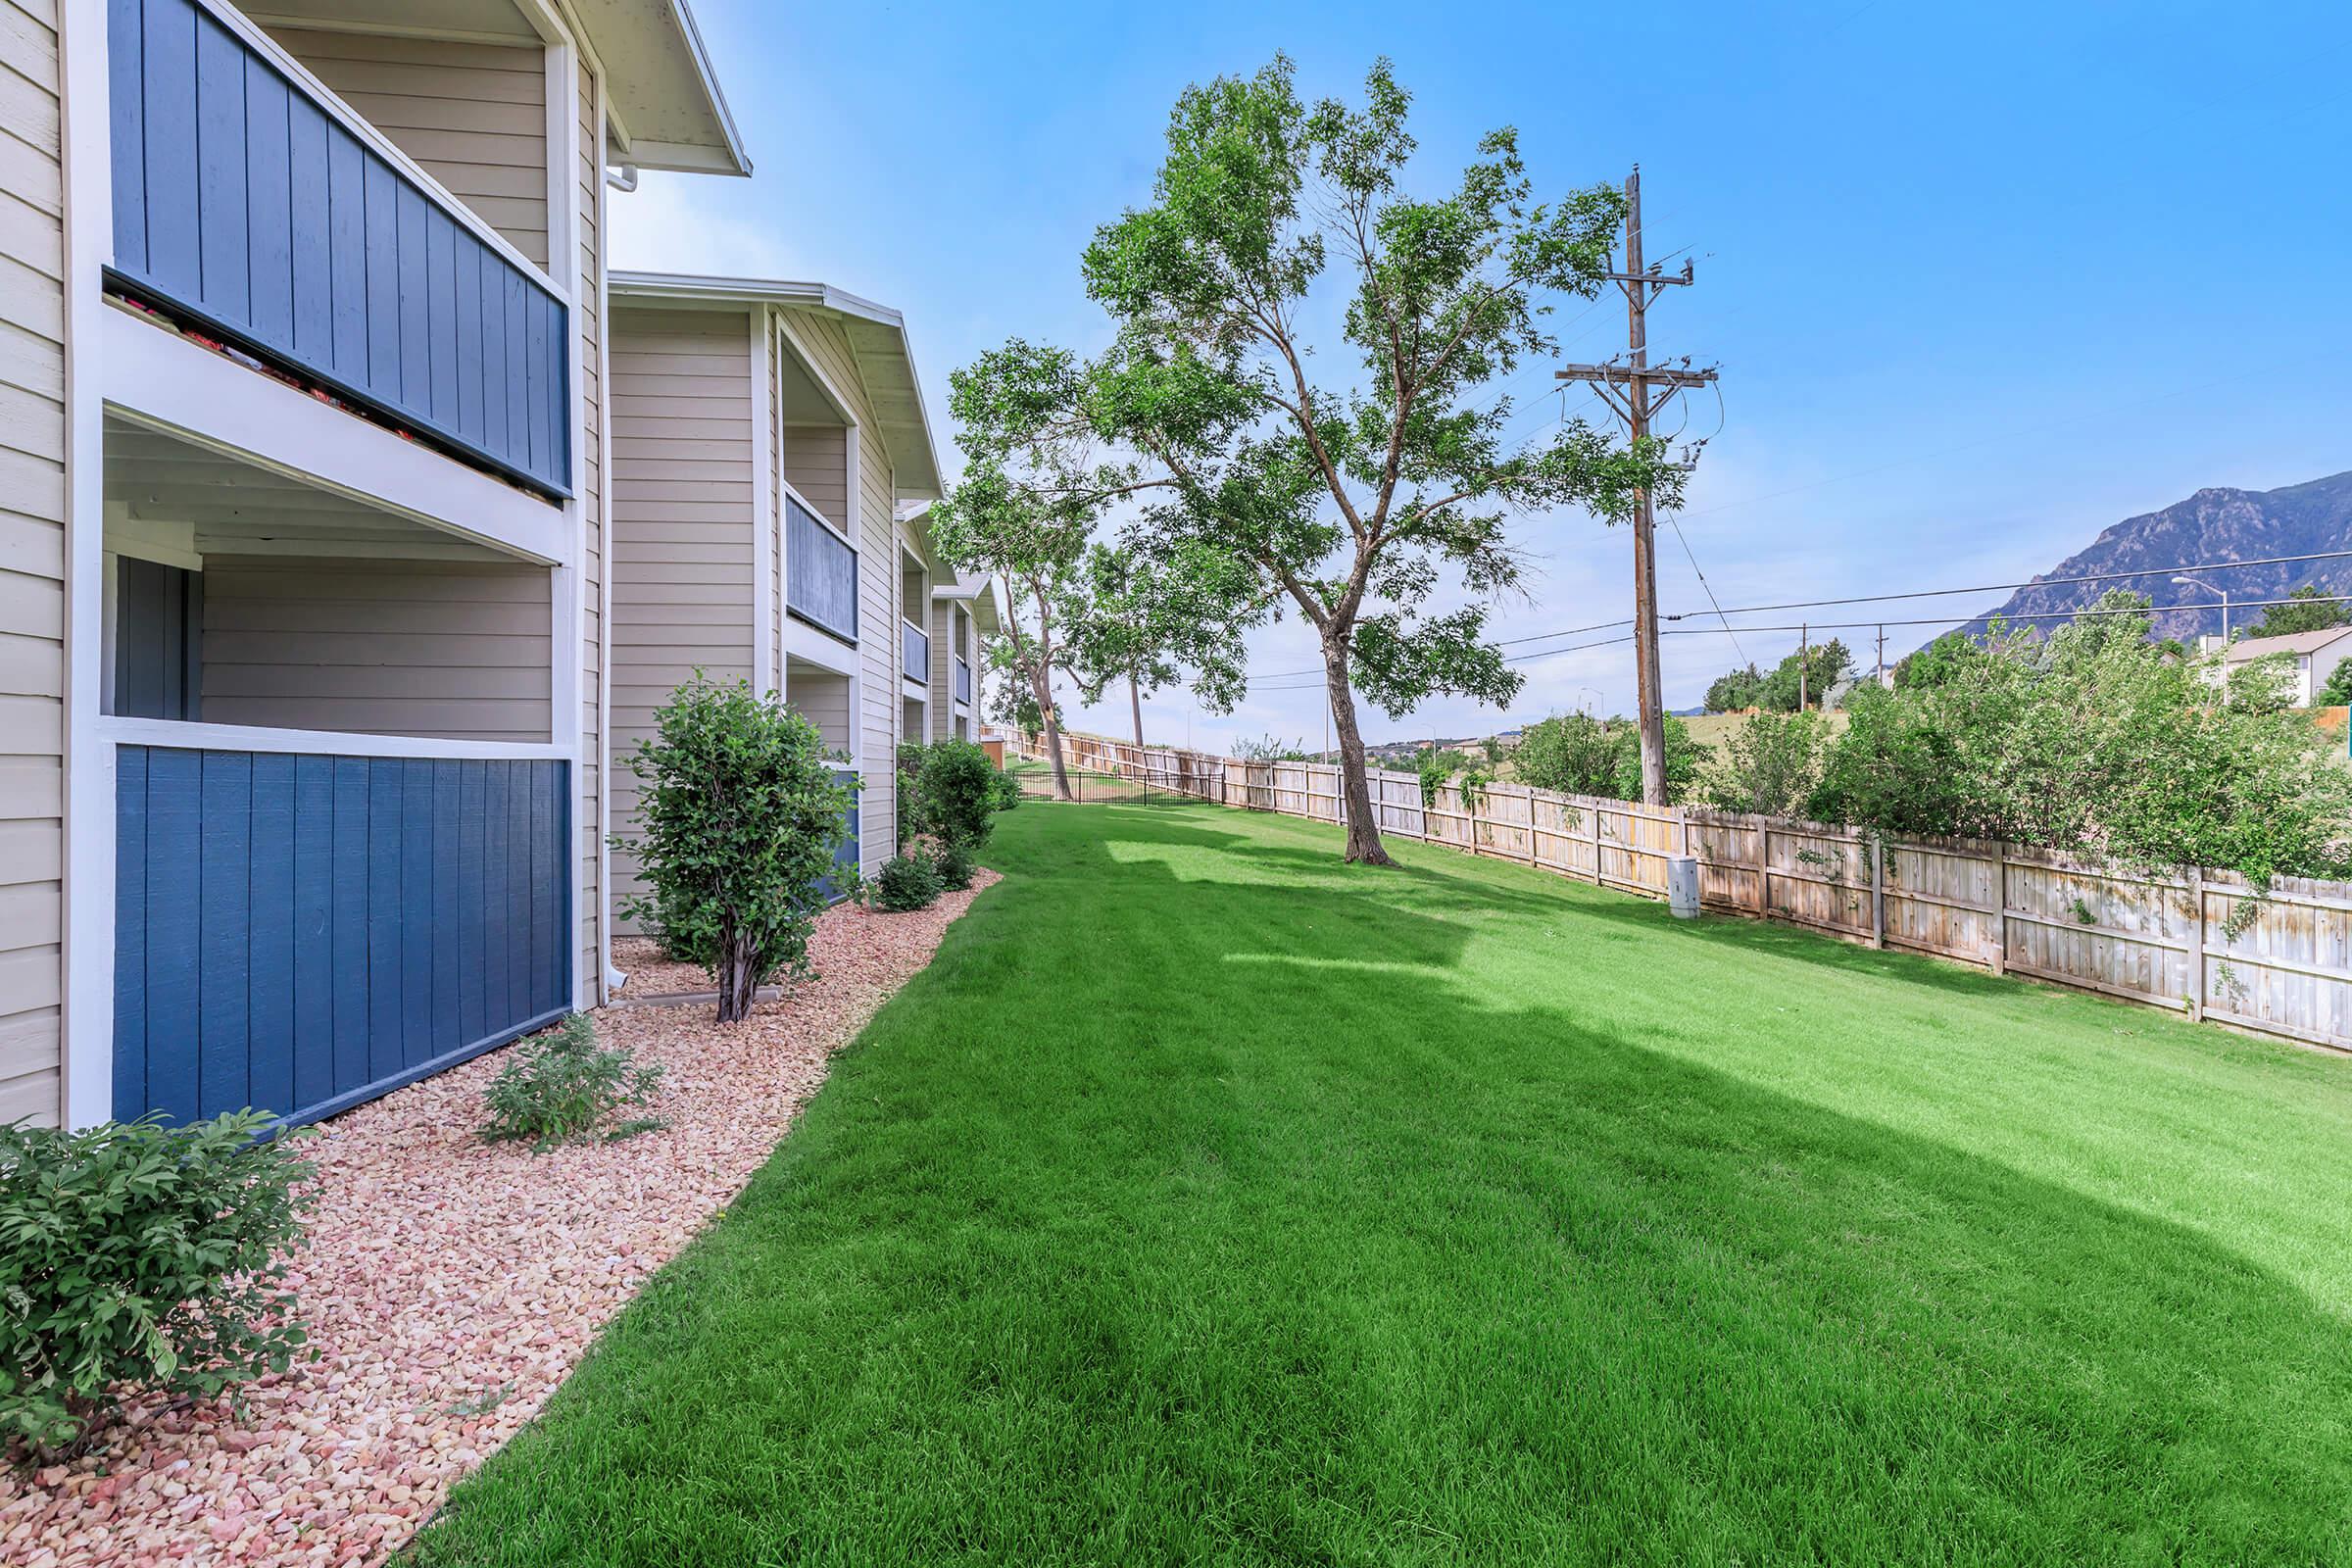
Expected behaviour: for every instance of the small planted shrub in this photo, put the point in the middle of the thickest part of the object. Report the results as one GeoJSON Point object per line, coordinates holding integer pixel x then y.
{"type": "Point", "coordinates": [1003, 791]}
{"type": "Point", "coordinates": [738, 817]}
{"type": "Point", "coordinates": [139, 1255]}
{"type": "Point", "coordinates": [952, 791]}
{"type": "Point", "coordinates": [562, 1085]}
{"type": "Point", "coordinates": [906, 882]}
{"type": "Point", "coordinates": [953, 864]}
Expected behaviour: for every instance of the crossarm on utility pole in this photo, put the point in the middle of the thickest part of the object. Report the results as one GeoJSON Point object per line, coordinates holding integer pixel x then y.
{"type": "Point", "coordinates": [1629, 390]}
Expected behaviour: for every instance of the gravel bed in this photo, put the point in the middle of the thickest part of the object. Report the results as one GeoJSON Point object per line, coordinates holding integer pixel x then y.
{"type": "Point", "coordinates": [450, 1285]}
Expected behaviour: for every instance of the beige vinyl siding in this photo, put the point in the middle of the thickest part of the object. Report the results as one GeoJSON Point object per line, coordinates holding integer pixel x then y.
{"type": "Point", "coordinates": [943, 667]}
{"type": "Point", "coordinates": [32, 564]}
{"type": "Point", "coordinates": [588, 312]}
{"type": "Point", "coordinates": [821, 697]}
{"type": "Point", "coordinates": [817, 465]}
{"type": "Point", "coordinates": [472, 114]}
{"type": "Point", "coordinates": [415, 648]}
{"type": "Point", "coordinates": [876, 537]}
{"type": "Point", "coordinates": [684, 552]}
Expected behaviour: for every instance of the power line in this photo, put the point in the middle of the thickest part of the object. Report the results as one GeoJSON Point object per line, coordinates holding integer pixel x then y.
{"type": "Point", "coordinates": [2037, 582]}
{"type": "Point", "coordinates": [1704, 583]}
{"type": "Point", "coordinates": [1802, 628]}
{"type": "Point", "coordinates": [2040, 615]}
{"type": "Point", "coordinates": [1915, 593]}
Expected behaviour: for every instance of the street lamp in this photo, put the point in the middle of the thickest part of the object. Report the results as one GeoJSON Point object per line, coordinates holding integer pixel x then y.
{"type": "Point", "coordinates": [2191, 582]}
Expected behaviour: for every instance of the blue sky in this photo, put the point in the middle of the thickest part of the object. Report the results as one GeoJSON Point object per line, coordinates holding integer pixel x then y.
{"type": "Point", "coordinates": [1981, 279]}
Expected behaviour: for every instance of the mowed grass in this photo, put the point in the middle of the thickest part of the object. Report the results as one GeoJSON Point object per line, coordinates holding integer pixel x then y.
{"type": "Point", "coordinates": [1208, 1200]}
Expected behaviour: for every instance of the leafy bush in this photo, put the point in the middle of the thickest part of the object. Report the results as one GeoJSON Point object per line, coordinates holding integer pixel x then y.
{"type": "Point", "coordinates": [1770, 766]}
{"type": "Point", "coordinates": [1269, 749]}
{"type": "Point", "coordinates": [2099, 741]}
{"type": "Point", "coordinates": [2337, 692]}
{"type": "Point", "coordinates": [739, 814]}
{"type": "Point", "coordinates": [906, 882]}
{"type": "Point", "coordinates": [144, 1256]}
{"type": "Point", "coordinates": [1003, 791]}
{"type": "Point", "coordinates": [950, 793]}
{"type": "Point", "coordinates": [952, 861]}
{"type": "Point", "coordinates": [1577, 754]}
{"type": "Point", "coordinates": [1438, 765]}
{"type": "Point", "coordinates": [562, 1084]}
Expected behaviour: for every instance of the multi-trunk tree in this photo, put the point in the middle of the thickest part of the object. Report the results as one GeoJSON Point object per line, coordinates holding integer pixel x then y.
{"type": "Point", "coordinates": [1210, 428]}
{"type": "Point", "coordinates": [1147, 620]}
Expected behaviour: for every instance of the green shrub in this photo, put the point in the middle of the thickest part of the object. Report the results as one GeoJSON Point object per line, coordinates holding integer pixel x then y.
{"type": "Point", "coordinates": [739, 814]}
{"type": "Point", "coordinates": [906, 882]}
{"type": "Point", "coordinates": [1577, 754]}
{"type": "Point", "coordinates": [2093, 738]}
{"type": "Point", "coordinates": [1770, 766]}
{"type": "Point", "coordinates": [953, 864]}
{"type": "Point", "coordinates": [950, 792]}
{"type": "Point", "coordinates": [136, 1254]}
{"type": "Point", "coordinates": [1003, 791]}
{"type": "Point", "coordinates": [561, 1085]}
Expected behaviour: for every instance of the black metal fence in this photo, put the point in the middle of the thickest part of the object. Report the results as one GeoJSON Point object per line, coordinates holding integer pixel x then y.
{"type": "Point", "coordinates": [1092, 786]}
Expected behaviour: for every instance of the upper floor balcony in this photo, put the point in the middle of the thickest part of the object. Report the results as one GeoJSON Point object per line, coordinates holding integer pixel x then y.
{"type": "Point", "coordinates": [915, 653]}
{"type": "Point", "coordinates": [251, 203]}
{"type": "Point", "coordinates": [820, 572]}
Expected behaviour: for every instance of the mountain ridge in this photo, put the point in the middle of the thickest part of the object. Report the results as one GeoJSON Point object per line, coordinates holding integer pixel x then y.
{"type": "Point", "coordinates": [2218, 523]}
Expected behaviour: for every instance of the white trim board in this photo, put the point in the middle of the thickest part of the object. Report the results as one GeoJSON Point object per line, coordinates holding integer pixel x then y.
{"type": "Point", "coordinates": [197, 736]}
{"type": "Point", "coordinates": [162, 380]}
{"type": "Point", "coordinates": [807, 643]}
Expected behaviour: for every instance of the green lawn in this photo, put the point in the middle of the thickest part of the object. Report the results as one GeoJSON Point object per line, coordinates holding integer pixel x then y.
{"type": "Point", "coordinates": [1210, 1201]}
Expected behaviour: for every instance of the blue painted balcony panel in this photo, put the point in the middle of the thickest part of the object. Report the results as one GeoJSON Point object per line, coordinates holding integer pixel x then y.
{"type": "Point", "coordinates": [846, 852]}
{"type": "Point", "coordinates": [245, 202]}
{"type": "Point", "coordinates": [914, 651]}
{"type": "Point", "coordinates": [303, 933]}
{"type": "Point", "coordinates": [820, 574]}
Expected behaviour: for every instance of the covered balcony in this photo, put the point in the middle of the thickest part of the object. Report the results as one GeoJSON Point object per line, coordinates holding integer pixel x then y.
{"type": "Point", "coordinates": [344, 841]}
{"type": "Point", "coordinates": [826, 696]}
{"type": "Point", "coordinates": [261, 212]}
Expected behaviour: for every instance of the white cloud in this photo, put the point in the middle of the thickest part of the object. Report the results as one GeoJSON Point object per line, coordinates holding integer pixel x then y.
{"type": "Point", "coordinates": [670, 224]}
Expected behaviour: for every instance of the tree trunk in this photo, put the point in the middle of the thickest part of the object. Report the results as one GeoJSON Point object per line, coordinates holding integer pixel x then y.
{"type": "Point", "coordinates": [1045, 703]}
{"type": "Point", "coordinates": [1355, 791]}
{"type": "Point", "coordinates": [1041, 682]}
{"type": "Point", "coordinates": [737, 978]}
{"type": "Point", "coordinates": [1135, 698]}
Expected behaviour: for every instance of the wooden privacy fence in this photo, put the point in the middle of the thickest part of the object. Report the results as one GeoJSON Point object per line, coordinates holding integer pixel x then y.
{"type": "Point", "coordinates": [2202, 943]}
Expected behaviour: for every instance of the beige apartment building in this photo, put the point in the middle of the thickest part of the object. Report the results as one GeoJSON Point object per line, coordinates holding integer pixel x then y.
{"type": "Point", "coordinates": [342, 493]}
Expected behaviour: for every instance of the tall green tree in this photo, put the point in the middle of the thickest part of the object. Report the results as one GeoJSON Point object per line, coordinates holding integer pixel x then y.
{"type": "Point", "coordinates": [2305, 609]}
{"type": "Point", "coordinates": [1806, 676]}
{"type": "Point", "coordinates": [1736, 689]}
{"type": "Point", "coordinates": [1938, 664]}
{"type": "Point", "coordinates": [1034, 540]}
{"type": "Point", "coordinates": [1145, 618]}
{"type": "Point", "coordinates": [1348, 505]}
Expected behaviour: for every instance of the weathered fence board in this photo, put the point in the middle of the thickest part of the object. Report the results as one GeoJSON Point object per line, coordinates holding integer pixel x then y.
{"type": "Point", "coordinates": [2202, 943]}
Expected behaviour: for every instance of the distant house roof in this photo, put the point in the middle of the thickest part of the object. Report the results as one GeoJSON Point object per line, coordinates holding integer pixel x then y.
{"type": "Point", "coordinates": [2297, 642]}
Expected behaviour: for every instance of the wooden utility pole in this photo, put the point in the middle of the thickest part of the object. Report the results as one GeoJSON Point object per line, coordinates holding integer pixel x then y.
{"type": "Point", "coordinates": [1636, 391]}
{"type": "Point", "coordinates": [1804, 662]}
{"type": "Point", "coordinates": [1881, 677]}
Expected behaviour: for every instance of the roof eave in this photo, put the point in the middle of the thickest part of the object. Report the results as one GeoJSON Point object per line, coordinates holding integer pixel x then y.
{"type": "Point", "coordinates": [925, 484]}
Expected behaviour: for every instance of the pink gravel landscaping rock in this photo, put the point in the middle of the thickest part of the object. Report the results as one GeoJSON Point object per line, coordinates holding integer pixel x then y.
{"type": "Point", "coordinates": [450, 1285]}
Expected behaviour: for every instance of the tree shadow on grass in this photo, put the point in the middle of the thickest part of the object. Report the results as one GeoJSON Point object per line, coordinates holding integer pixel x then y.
{"type": "Point", "coordinates": [1093, 1252]}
